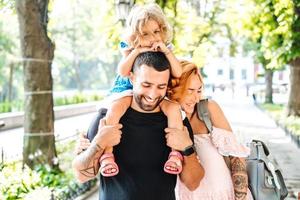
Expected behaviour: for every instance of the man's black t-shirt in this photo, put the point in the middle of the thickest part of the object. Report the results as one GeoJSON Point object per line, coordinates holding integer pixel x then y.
{"type": "Point", "coordinates": [140, 155]}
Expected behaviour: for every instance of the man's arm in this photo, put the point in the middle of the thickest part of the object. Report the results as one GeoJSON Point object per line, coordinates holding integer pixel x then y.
{"type": "Point", "coordinates": [239, 177]}
{"type": "Point", "coordinates": [192, 171]}
{"type": "Point", "coordinates": [86, 164]}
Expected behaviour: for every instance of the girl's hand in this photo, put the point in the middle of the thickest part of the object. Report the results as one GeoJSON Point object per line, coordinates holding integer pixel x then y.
{"type": "Point", "coordinates": [82, 144]}
{"type": "Point", "coordinates": [144, 49]}
{"type": "Point", "coordinates": [160, 46]}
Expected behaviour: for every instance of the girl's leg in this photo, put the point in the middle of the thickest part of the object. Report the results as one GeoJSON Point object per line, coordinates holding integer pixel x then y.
{"type": "Point", "coordinates": [117, 109]}
{"type": "Point", "coordinates": [173, 112]}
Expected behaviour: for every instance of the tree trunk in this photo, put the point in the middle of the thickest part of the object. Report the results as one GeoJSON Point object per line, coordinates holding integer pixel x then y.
{"type": "Point", "coordinates": [293, 107]}
{"type": "Point", "coordinates": [38, 53]}
{"type": "Point", "coordinates": [269, 83]}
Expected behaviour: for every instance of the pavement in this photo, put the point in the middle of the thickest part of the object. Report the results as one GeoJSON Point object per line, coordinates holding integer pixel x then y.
{"type": "Point", "coordinates": [249, 122]}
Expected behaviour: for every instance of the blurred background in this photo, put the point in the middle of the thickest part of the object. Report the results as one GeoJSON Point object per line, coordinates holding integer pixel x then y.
{"type": "Point", "coordinates": [58, 60]}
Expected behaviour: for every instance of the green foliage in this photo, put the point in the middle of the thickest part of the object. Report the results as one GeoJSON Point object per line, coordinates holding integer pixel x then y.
{"type": "Point", "coordinates": [277, 111]}
{"type": "Point", "coordinates": [294, 51]}
{"type": "Point", "coordinates": [51, 177]}
{"type": "Point", "coordinates": [272, 26]}
{"type": "Point", "coordinates": [273, 107]}
{"type": "Point", "coordinates": [42, 182]}
{"type": "Point", "coordinates": [6, 4]}
{"type": "Point", "coordinates": [86, 54]}
{"type": "Point", "coordinates": [17, 105]}
{"type": "Point", "coordinates": [25, 183]}
{"type": "Point", "coordinates": [11, 106]}
{"type": "Point", "coordinates": [15, 182]}
{"type": "Point", "coordinates": [9, 51]}
{"type": "Point", "coordinates": [77, 98]}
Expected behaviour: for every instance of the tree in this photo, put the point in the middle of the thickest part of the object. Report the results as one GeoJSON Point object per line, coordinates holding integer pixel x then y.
{"type": "Point", "coordinates": [255, 46]}
{"type": "Point", "coordinates": [277, 24]}
{"type": "Point", "coordinates": [293, 57]}
{"type": "Point", "coordinates": [88, 38]}
{"type": "Point", "coordinates": [38, 53]}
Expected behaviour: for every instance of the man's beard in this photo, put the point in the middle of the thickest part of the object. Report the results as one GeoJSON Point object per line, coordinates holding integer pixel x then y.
{"type": "Point", "coordinates": [140, 99]}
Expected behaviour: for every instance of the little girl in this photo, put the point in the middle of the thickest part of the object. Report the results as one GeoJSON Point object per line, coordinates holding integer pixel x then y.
{"type": "Point", "coordinates": [148, 30]}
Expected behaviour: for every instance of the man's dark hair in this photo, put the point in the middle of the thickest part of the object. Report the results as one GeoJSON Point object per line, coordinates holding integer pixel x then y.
{"type": "Point", "coordinates": [157, 60]}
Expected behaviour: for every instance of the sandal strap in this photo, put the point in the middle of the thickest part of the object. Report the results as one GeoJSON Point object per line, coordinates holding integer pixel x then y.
{"type": "Point", "coordinates": [106, 155]}
{"type": "Point", "coordinates": [177, 154]}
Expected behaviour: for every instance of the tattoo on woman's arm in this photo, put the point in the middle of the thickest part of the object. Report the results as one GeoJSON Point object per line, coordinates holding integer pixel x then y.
{"type": "Point", "coordinates": [239, 177]}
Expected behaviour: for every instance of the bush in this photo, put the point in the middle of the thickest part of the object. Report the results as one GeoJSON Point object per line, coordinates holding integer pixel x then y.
{"type": "Point", "coordinates": [277, 111]}
{"type": "Point", "coordinates": [43, 182]}
{"type": "Point", "coordinates": [77, 98]}
{"type": "Point", "coordinates": [11, 106]}
{"type": "Point", "coordinates": [59, 101]}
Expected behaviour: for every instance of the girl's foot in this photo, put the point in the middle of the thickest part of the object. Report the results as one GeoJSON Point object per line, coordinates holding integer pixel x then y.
{"type": "Point", "coordinates": [174, 163]}
{"type": "Point", "coordinates": [108, 166]}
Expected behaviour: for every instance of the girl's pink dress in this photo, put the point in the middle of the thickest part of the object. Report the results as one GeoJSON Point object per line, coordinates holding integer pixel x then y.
{"type": "Point", "coordinates": [216, 183]}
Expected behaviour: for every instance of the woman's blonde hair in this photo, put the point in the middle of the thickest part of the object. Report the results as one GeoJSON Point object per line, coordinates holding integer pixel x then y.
{"type": "Point", "coordinates": [139, 16]}
{"type": "Point", "coordinates": [178, 86]}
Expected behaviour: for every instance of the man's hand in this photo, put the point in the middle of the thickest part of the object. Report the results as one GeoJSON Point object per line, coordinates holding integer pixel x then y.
{"type": "Point", "coordinates": [108, 135]}
{"type": "Point", "coordinates": [86, 164]}
{"type": "Point", "coordinates": [178, 139]}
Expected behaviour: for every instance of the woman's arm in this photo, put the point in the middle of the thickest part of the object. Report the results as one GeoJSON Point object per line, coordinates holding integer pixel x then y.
{"type": "Point", "coordinates": [238, 165]}
{"type": "Point", "coordinates": [239, 177]}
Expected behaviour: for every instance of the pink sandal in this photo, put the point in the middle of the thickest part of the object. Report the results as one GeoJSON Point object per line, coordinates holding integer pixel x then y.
{"type": "Point", "coordinates": [169, 168]}
{"type": "Point", "coordinates": [109, 168]}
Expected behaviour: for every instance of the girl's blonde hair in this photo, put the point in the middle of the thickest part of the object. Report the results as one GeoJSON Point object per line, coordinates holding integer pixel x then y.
{"type": "Point", "coordinates": [178, 86]}
{"type": "Point", "coordinates": [139, 16]}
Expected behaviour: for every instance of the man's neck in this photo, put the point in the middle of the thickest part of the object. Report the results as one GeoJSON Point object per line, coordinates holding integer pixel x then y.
{"type": "Point", "coordinates": [136, 107]}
